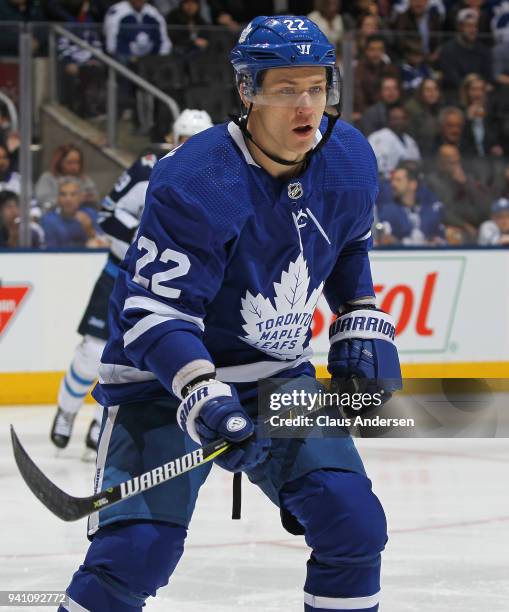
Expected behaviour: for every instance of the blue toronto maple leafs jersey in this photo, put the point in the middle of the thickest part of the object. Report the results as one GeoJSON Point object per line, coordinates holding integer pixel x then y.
{"type": "Point", "coordinates": [229, 262]}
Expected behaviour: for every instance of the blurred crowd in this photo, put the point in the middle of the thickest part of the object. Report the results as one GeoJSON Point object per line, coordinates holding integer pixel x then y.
{"type": "Point", "coordinates": [431, 94]}
{"type": "Point", "coordinates": [64, 211]}
{"type": "Point", "coordinates": [432, 97]}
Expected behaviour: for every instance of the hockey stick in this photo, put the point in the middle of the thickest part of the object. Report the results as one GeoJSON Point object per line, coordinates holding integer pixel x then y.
{"type": "Point", "coordinates": [70, 508]}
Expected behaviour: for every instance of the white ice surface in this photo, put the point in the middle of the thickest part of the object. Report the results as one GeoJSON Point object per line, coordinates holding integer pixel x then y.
{"type": "Point", "coordinates": [447, 503]}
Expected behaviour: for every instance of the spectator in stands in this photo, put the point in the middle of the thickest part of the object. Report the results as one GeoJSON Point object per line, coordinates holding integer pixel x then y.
{"type": "Point", "coordinates": [67, 161]}
{"type": "Point", "coordinates": [393, 144]}
{"type": "Point", "coordinates": [495, 232]}
{"type": "Point", "coordinates": [367, 26]}
{"type": "Point", "coordinates": [18, 10]}
{"type": "Point", "coordinates": [481, 134]}
{"type": "Point", "coordinates": [82, 76]}
{"type": "Point", "coordinates": [327, 15]}
{"type": "Point", "coordinates": [193, 38]}
{"type": "Point", "coordinates": [9, 138]}
{"type": "Point", "coordinates": [400, 6]}
{"type": "Point", "coordinates": [419, 23]}
{"type": "Point", "coordinates": [451, 122]}
{"type": "Point", "coordinates": [423, 111]}
{"type": "Point", "coordinates": [10, 223]}
{"type": "Point", "coordinates": [364, 7]}
{"type": "Point", "coordinates": [500, 59]}
{"type": "Point", "coordinates": [165, 7]}
{"type": "Point", "coordinates": [414, 68]}
{"type": "Point", "coordinates": [501, 185]}
{"type": "Point", "coordinates": [415, 214]}
{"type": "Point", "coordinates": [68, 225]}
{"type": "Point", "coordinates": [371, 68]}
{"type": "Point", "coordinates": [463, 55]}
{"type": "Point", "coordinates": [375, 117]}
{"type": "Point", "coordinates": [134, 28]}
{"type": "Point", "coordinates": [232, 14]}
{"type": "Point", "coordinates": [69, 10]}
{"type": "Point", "coordinates": [9, 180]}
{"type": "Point", "coordinates": [481, 144]}
{"type": "Point", "coordinates": [466, 202]}
{"type": "Point", "coordinates": [297, 7]}
{"type": "Point", "coordinates": [483, 15]}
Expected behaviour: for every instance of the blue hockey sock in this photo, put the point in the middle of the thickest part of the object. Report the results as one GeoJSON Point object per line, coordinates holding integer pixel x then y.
{"type": "Point", "coordinates": [126, 563]}
{"type": "Point", "coordinates": [345, 526]}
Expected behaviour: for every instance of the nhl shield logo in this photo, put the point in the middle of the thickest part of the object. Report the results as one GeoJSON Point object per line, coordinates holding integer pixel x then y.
{"type": "Point", "coordinates": [295, 191]}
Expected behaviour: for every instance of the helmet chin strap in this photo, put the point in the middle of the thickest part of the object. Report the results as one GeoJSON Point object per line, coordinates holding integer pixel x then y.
{"type": "Point", "coordinates": [242, 124]}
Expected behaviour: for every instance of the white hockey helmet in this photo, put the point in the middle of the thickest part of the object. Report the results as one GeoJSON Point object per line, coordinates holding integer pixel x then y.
{"type": "Point", "coordinates": [190, 122]}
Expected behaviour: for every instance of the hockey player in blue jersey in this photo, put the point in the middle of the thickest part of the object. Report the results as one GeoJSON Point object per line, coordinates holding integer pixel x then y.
{"type": "Point", "coordinates": [244, 226]}
{"type": "Point", "coordinates": [121, 213]}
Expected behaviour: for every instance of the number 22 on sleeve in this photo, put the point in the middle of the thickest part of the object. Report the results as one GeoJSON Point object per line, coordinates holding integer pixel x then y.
{"type": "Point", "coordinates": [155, 282]}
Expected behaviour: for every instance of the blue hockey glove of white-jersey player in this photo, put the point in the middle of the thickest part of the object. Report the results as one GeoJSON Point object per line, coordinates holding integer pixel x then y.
{"type": "Point", "coordinates": [212, 410]}
{"type": "Point", "coordinates": [363, 357]}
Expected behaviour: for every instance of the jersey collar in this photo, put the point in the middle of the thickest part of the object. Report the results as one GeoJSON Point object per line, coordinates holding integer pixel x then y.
{"type": "Point", "coordinates": [238, 138]}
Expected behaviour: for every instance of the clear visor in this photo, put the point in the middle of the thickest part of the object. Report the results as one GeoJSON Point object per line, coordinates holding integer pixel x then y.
{"type": "Point", "coordinates": [289, 96]}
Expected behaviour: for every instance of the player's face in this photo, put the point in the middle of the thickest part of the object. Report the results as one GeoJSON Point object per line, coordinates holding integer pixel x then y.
{"type": "Point", "coordinates": [288, 112]}
{"type": "Point", "coordinates": [69, 198]}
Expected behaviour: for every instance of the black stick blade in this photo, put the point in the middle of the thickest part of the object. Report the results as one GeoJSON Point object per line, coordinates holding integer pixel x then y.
{"type": "Point", "coordinates": [65, 506]}
{"type": "Point", "coordinates": [70, 508]}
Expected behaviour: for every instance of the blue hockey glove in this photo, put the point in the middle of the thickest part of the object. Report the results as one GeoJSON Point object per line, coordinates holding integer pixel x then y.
{"type": "Point", "coordinates": [212, 410]}
{"type": "Point", "coordinates": [363, 357]}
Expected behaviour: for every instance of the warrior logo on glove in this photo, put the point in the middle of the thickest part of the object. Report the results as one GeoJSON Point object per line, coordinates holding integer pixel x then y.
{"type": "Point", "coordinates": [363, 356]}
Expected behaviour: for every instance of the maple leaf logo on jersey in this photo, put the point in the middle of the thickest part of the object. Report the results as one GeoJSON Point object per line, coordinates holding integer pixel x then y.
{"type": "Point", "coordinates": [280, 328]}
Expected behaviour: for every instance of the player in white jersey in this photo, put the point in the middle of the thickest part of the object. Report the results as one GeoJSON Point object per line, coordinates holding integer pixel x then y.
{"type": "Point", "coordinates": [122, 210]}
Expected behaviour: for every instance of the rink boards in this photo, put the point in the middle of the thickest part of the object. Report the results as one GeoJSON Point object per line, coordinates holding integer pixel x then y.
{"type": "Point", "coordinates": [451, 309]}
